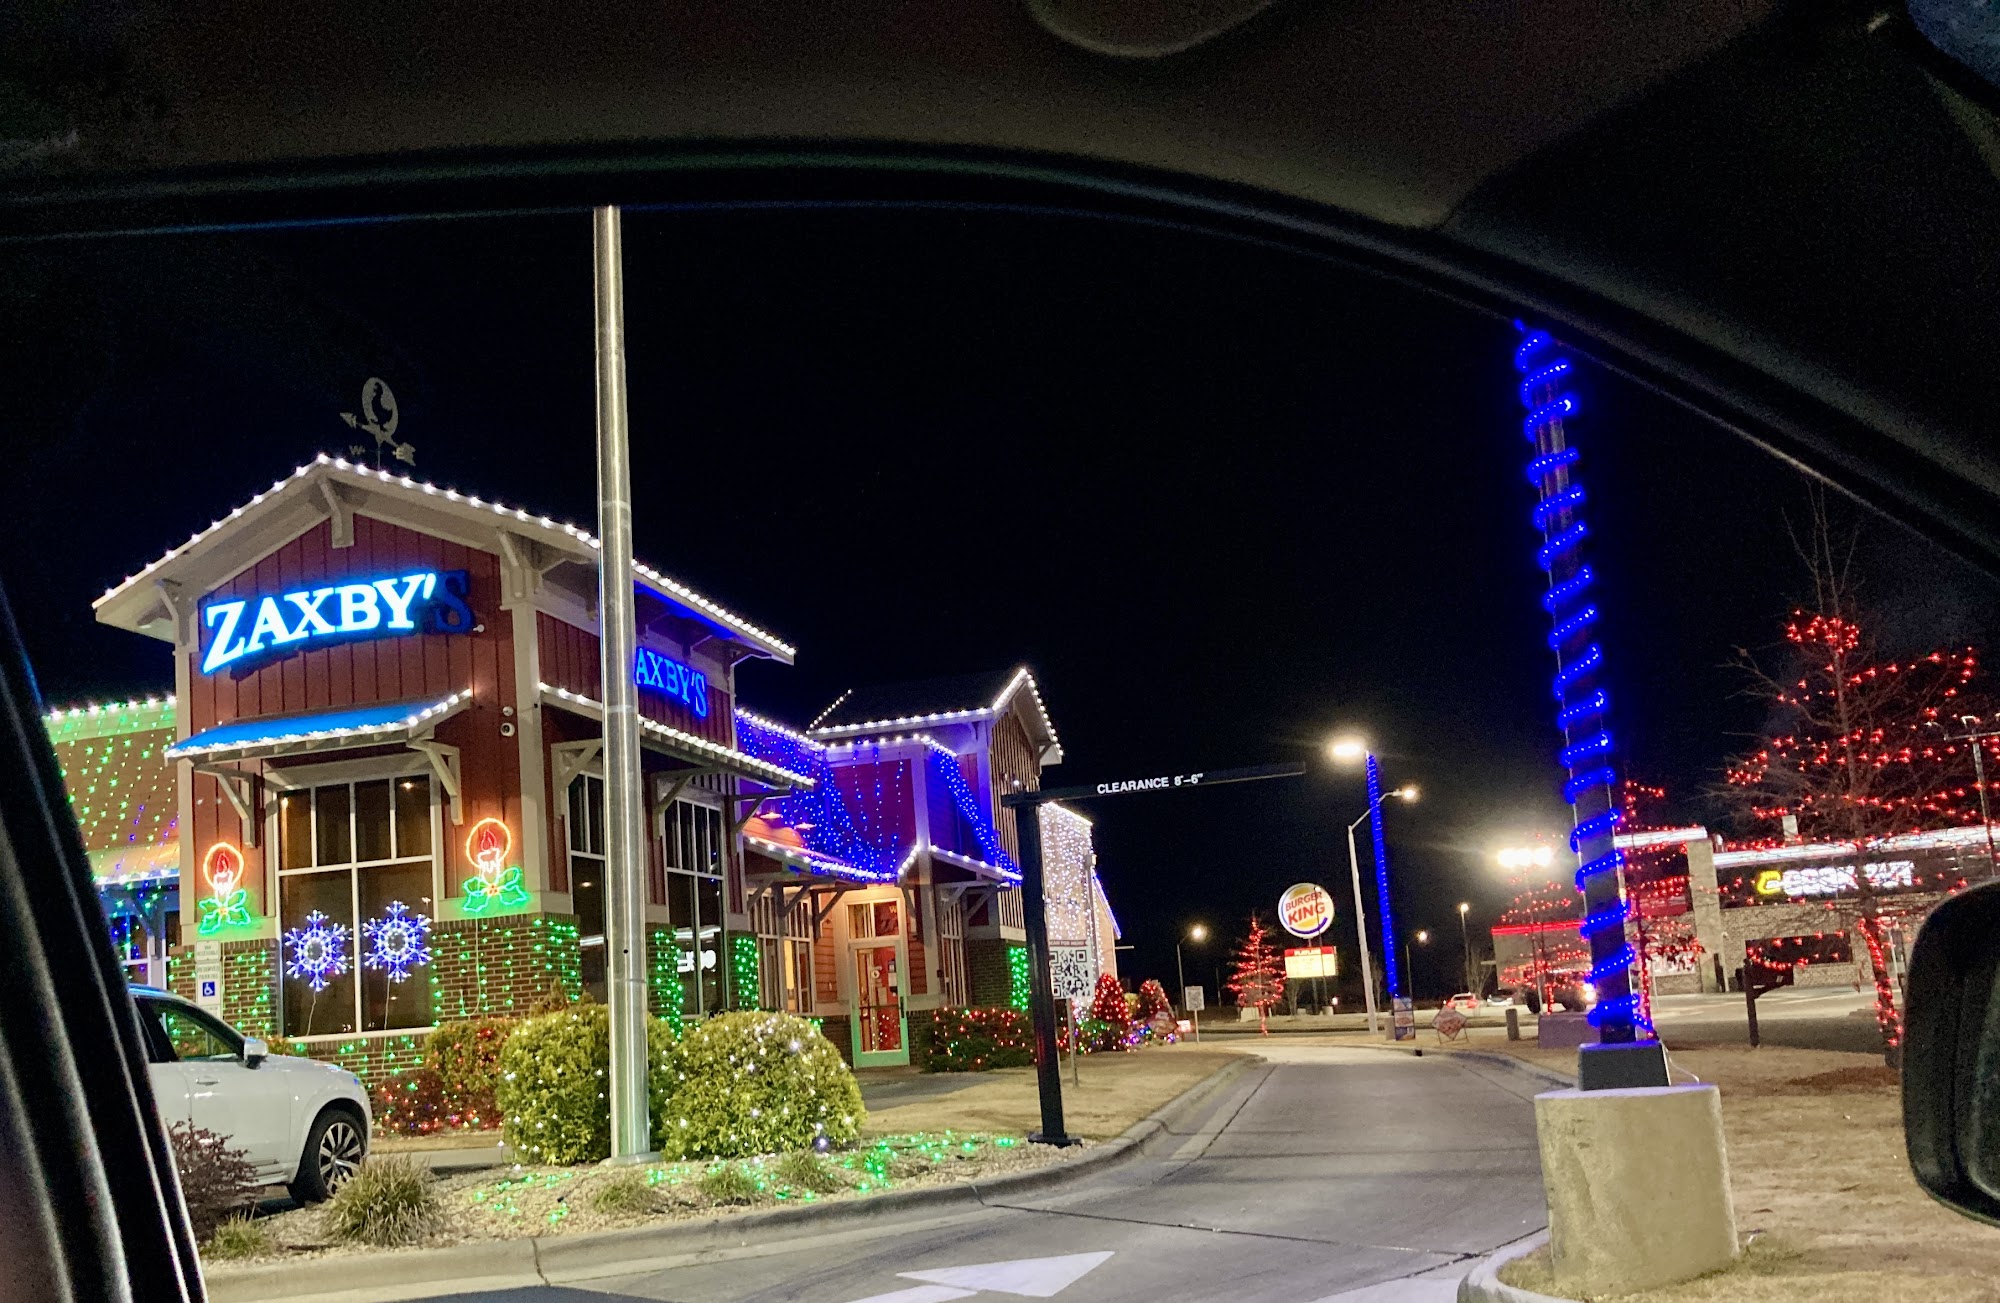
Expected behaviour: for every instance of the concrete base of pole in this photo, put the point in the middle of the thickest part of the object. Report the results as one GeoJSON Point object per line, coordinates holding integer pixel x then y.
{"type": "Point", "coordinates": [1638, 1186]}
{"type": "Point", "coordinates": [631, 1160]}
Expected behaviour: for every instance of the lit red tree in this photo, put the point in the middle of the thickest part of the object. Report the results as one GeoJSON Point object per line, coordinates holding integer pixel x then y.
{"type": "Point", "coordinates": [1859, 746]}
{"type": "Point", "coordinates": [1108, 1006]}
{"type": "Point", "coordinates": [1153, 1002]}
{"type": "Point", "coordinates": [1257, 974]}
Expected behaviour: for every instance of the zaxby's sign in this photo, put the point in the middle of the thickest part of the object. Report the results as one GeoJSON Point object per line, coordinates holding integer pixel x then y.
{"type": "Point", "coordinates": [666, 675]}
{"type": "Point", "coordinates": [247, 632]}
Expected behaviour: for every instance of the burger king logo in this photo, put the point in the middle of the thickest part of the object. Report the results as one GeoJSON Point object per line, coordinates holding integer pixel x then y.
{"type": "Point", "coordinates": [1305, 910]}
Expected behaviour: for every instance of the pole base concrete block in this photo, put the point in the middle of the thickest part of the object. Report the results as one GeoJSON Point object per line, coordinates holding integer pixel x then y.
{"type": "Point", "coordinates": [1638, 1186]}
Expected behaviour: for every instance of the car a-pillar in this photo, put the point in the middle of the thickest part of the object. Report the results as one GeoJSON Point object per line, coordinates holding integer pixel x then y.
{"type": "Point", "coordinates": [1634, 1169]}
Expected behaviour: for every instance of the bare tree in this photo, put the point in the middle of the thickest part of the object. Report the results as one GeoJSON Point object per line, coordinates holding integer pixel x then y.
{"type": "Point", "coordinates": [1855, 749]}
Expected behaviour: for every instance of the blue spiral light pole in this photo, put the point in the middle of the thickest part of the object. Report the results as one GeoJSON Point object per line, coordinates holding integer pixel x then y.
{"type": "Point", "coordinates": [1582, 716]}
{"type": "Point", "coordinates": [1389, 974]}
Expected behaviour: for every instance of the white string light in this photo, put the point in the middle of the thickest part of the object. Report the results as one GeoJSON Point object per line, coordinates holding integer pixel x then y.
{"type": "Point", "coordinates": [749, 763]}
{"type": "Point", "coordinates": [195, 747]}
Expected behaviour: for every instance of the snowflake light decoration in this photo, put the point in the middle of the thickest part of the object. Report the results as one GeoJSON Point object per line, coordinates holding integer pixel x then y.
{"type": "Point", "coordinates": [319, 950]}
{"type": "Point", "coordinates": [398, 941]}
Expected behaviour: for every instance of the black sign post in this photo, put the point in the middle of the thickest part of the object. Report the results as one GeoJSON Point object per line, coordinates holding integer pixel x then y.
{"type": "Point", "coordinates": [1035, 919]}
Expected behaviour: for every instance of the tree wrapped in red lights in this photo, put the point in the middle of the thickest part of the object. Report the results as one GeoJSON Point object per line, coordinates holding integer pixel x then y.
{"type": "Point", "coordinates": [1153, 1006]}
{"type": "Point", "coordinates": [1257, 975]}
{"type": "Point", "coordinates": [1859, 747]}
{"type": "Point", "coordinates": [1108, 1006]}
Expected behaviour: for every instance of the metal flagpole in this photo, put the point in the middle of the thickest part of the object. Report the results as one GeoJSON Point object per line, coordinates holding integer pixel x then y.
{"type": "Point", "coordinates": [624, 815]}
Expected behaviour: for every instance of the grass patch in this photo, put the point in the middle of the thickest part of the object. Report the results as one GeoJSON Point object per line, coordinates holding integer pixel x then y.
{"type": "Point", "coordinates": [625, 1194]}
{"type": "Point", "coordinates": [729, 1185]}
{"type": "Point", "coordinates": [807, 1172]}
{"type": "Point", "coordinates": [237, 1237]}
{"type": "Point", "coordinates": [390, 1201]}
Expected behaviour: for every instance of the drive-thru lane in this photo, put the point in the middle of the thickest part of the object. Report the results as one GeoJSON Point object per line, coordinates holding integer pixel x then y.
{"type": "Point", "coordinates": [1322, 1172]}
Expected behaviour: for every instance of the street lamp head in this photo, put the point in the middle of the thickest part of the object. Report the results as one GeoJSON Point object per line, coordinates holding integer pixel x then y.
{"type": "Point", "coordinates": [1347, 750]}
{"type": "Point", "coordinates": [1199, 932]}
{"type": "Point", "coordinates": [1423, 936]}
{"type": "Point", "coordinates": [1407, 792]}
{"type": "Point", "coordinates": [1463, 908]}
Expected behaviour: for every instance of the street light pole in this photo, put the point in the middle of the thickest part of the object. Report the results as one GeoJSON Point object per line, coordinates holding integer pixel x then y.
{"type": "Point", "coordinates": [1361, 925]}
{"type": "Point", "coordinates": [1196, 933]}
{"type": "Point", "coordinates": [1465, 939]}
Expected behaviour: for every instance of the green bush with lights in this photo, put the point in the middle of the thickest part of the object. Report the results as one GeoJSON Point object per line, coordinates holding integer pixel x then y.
{"type": "Point", "coordinates": [755, 1083]}
{"type": "Point", "coordinates": [554, 1090]}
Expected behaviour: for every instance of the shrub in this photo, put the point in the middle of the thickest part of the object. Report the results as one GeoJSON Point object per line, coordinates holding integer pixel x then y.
{"type": "Point", "coordinates": [554, 1092]}
{"type": "Point", "coordinates": [973, 1040]}
{"type": "Point", "coordinates": [217, 1179]}
{"type": "Point", "coordinates": [466, 1057]}
{"type": "Point", "coordinates": [629, 1191]}
{"type": "Point", "coordinates": [238, 1236]}
{"type": "Point", "coordinates": [388, 1201]}
{"type": "Point", "coordinates": [807, 1171]}
{"type": "Point", "coordinates": [411, 1103]}
{"type": "Point", "coordinates": [1095, 1036]}
{"type": "Point", "coordinates": [730, 1184]}
{"type": "Point", "coordinates": [756, 1083]}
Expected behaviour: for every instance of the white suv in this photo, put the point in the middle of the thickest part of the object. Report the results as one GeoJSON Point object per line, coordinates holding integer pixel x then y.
{"type": "Point", "coordinates": [301, 1122]}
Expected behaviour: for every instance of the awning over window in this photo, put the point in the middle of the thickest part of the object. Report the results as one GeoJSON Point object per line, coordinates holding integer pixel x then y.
{"type": "Point", "coordinates": [979, 869]}
{"type": "Point", "coordinates": [698, 751]}
{"type": "Point", "coordinates": [800, 860]}
{"type": "Point", "coordinates": [320, 730]}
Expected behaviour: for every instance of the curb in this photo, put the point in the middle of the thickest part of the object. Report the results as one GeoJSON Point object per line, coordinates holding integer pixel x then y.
{"type": "Point", "coordinates": [1556, 1080]}
{"type": "Point", "coordinates": [1485, 1286]}
{"type": "Point", "coordinates": [514, 1263]}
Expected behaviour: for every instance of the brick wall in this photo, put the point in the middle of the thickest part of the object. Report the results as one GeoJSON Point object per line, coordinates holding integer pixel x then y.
{"type": "Point", "coordinates": [502, 966]}
{"type": "Point", "coordinates": [838, 1030]}
{"type": "Point", "coordinates": [989, 976]}
{"type": "Point", "coordinates": [920, 1021]}
{"type": "Point", "coordinates": [249, 984]}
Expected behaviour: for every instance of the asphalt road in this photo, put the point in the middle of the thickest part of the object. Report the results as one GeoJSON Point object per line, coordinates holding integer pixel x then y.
{"type": "Point", "coordinates": [1326, 1174]}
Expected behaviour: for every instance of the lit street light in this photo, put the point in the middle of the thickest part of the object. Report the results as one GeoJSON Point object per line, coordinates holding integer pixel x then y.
{"type": "Point", "coordinates": [1541, 856]}
{"type": "Point", "coordinates": [1423, 939]}
{"type": "Point", "coordinates": [1465, 937]}
{"type": "Point", "coordinates": [1347, 750]}
{"type": "Point", "coordinates": [1197, 934]}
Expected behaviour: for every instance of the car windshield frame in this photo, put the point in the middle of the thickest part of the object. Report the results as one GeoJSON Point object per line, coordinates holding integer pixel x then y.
{"type": "Point", "coordinates": [155, 1007]}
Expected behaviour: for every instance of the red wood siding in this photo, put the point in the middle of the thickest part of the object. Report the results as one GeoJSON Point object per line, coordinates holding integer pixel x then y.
{"type": "Point", "coordinates": [411, 668]}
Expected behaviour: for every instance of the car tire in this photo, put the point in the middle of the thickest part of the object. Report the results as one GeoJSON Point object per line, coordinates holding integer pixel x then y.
{"type": "Point", "coordinates": [335, 1146]}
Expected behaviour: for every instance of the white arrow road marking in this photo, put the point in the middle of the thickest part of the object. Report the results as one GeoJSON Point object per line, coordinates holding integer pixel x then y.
{"type": "Point", "coordinates": [920, 1294]}
{"type": "Point", "coordinates": [1028, 1277]}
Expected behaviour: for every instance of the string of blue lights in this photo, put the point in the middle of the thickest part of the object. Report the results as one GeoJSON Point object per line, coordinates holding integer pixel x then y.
{"type": "Point", "coordinates": [1582, 706]}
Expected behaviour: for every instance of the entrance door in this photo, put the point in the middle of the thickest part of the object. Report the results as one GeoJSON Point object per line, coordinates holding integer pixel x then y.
{"type": "Point", "coordinates": [880, 1036]}
{"type": "Point", "coordinates": [874, 949]}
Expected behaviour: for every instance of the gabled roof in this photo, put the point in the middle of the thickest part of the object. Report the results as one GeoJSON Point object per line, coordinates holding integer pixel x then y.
{"type": "Point", "coordinates": [883, 708]}
{"type": "Point", "coordinates": [334, 487]}
{"type": "Point", "coordinates": [121, 786]}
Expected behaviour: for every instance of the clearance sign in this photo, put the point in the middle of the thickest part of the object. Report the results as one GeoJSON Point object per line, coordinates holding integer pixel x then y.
{"type": "Point", "coordinates": [1305, 910]}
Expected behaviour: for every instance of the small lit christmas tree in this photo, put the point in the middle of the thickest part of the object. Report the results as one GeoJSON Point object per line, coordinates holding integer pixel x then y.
{"type": "Point", "coordinates": [1257, 975]}
{"type": "Point", "coordinates": [1109, 1004]}
{"type": "Point", "coordinates": [1153, 1001]}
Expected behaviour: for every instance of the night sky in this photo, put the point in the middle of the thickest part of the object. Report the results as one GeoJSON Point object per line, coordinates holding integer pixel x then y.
{"type": "Point", "coordinates": [1223, 500]}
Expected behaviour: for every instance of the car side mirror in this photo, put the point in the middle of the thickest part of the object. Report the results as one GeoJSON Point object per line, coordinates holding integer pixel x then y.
{"type": "Point", "coordinates": [1951, 1055]}
{"type": "Point", "coordinates": [254, 1051]}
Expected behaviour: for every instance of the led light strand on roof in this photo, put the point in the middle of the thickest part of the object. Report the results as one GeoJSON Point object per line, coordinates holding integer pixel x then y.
{"type": "Point", "coordinates": [822, 815]}
{"type": "Point", "coordinates": [762, 768]}
{"type": "Point", "coordinates": [659, 580]}
{"type": "Point", "coordinates": [195, 747]}
{"type": "Point", "coordinates": [1582, 706]}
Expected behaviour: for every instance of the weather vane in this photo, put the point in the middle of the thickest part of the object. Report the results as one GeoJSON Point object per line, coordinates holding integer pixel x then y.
{"type": "Point", "coordinates": [379, 417]}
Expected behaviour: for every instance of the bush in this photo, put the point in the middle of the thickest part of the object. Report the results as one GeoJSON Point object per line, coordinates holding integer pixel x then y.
{"type": "Point", "coordinates": [973, 1040]}
{"type": "Point", "coordinates": [756, 1083]}
{"type": "Point", "coordinates": [238, 1236]}
{"type": "Point", "coordinates": [730, 1184]}
{"type": "Point", "coordinates": [1095, 1036]}
{"type": "Point", "coordinates": [217, 1179]}
{"type": "Point", "coordinates": [388, 1201]}
{"type": "Point", "coordinates": [554, 1092]}
{"type": "Point", "coordinates": [466, 1057]}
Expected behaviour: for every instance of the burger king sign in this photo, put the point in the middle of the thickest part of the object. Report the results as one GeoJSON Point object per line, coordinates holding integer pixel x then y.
{"type": "Point", "coordinates": [1305, 910]}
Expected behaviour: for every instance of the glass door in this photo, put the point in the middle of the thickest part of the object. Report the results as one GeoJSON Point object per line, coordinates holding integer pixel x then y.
{"type": "Point", "coordinates": [881, 1034]}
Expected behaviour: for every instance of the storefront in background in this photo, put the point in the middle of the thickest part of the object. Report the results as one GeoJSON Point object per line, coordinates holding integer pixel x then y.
{"type": "Point", "coordinates": [889, 889]}
{"type": "Point", "coordinates": [388, 765]}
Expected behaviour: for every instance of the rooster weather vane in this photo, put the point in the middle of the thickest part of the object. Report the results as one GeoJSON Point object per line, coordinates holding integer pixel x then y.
{"type": "Point", "coordinates": [379, 417]}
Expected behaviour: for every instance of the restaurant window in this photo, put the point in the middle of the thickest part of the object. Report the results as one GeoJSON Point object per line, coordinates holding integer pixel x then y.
{"type": "Point", "coordinates": [691, 846]}
{"type": "Point", "coordinates": [586, 877]}
{"type": "Point", "coordinates": [357, 877]}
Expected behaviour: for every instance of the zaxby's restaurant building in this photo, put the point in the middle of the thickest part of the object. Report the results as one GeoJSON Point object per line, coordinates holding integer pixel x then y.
{"type": "Point", "coordinates": [383, 757]}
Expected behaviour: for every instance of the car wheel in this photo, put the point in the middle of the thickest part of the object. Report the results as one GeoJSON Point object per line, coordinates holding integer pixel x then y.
{"type": "Point", "coordinates": [334, 1149]}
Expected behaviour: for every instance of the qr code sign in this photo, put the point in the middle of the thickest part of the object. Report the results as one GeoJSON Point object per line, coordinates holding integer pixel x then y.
{"type": "Point", "coordinates": [1071, 974]}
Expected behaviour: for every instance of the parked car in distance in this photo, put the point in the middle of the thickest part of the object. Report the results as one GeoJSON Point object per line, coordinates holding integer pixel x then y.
{"type": "Point", "coordinates": [1464, 1002]}
{"type": "Point", "coordinates": [1500, 1000]}
{"type": "Point", "coordinates": [300, 1122]}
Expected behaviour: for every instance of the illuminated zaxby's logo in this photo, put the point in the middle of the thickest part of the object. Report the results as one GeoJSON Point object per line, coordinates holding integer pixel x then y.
{"type": "Point", "coordinates": [246, 632]}
{"type": "Point", "coordinates": [665, 674]}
